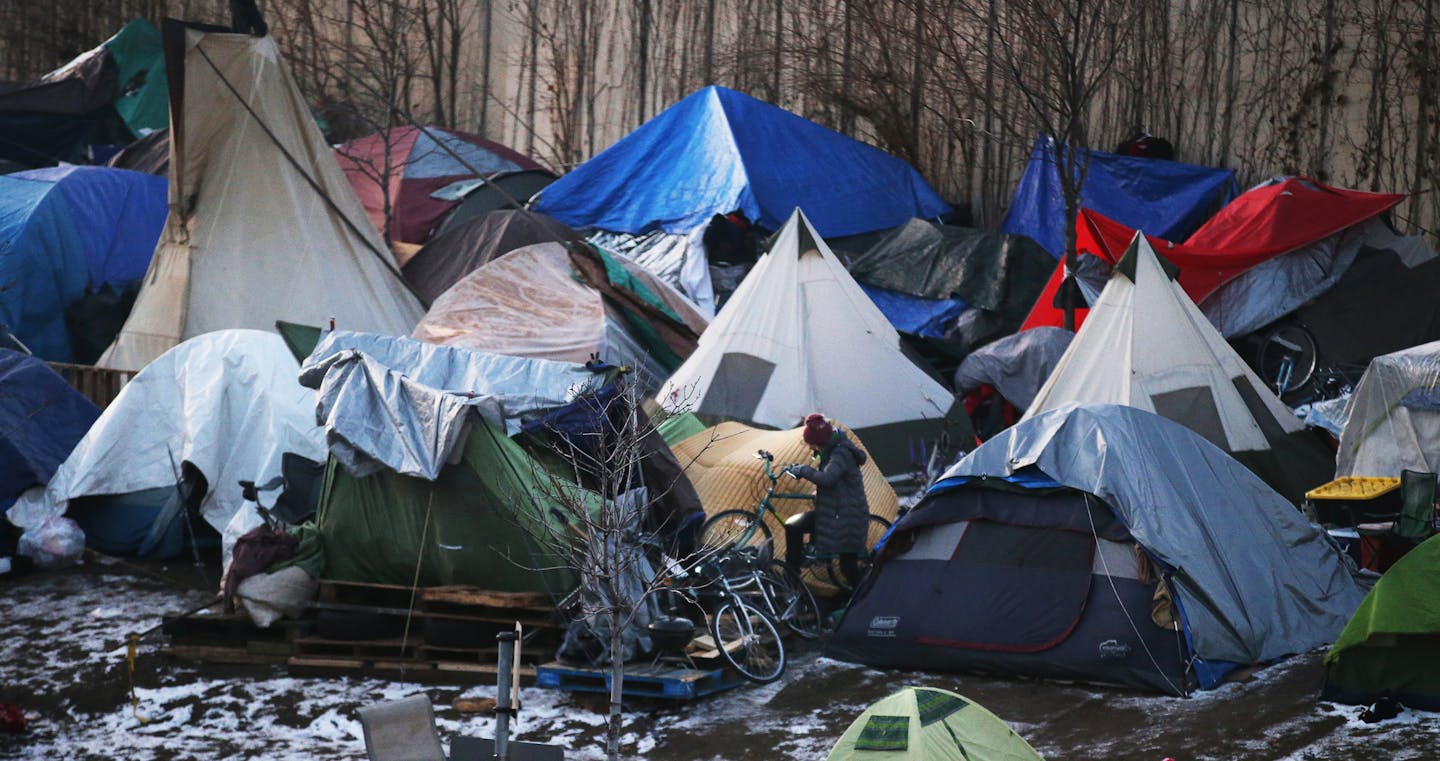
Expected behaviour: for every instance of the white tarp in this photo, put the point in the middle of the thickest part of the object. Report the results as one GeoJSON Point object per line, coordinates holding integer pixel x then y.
{"type": "Point", "coordinates": [1392, 422]}
{"type": "Point", "coordinates": [1016, 365]}
{"type": "Point", "coordinates": [263, 225]}
{"type": "Point", "coordinates": [800, 336]}
{"type": "Point", "coordinates": [226, 402]}
{"type": "Point", "coordinates": [1145, 344]}
{"type": "Point", "coordinates": [403, 404]}
{"type": "Point", "coordinates": [678, 259]}
{"type": "Point", "coordinates": [1254, 580]}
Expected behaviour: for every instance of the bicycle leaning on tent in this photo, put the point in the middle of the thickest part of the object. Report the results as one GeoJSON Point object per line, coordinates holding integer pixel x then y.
{"type": "Point", "coordinates": [720, 590]}
{"type": "Point", "coordinates": [749, 528]}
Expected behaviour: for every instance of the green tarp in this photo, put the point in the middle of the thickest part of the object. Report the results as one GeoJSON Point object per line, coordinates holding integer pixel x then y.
{"type": "Point", "coordinates": [477, 524]}
{"type": "Point", "coordinates": [1392, 643]}
{"type": "Point", "coordinates": [143, 100]}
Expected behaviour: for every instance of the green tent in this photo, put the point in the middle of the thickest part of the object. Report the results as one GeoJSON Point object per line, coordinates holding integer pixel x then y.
{"type": "Point", "coordinates": [925, 724]}
{"type": "Point", "coordinates": [1392, 643]}
{"type": "Point", "coordinates": [478, 524]}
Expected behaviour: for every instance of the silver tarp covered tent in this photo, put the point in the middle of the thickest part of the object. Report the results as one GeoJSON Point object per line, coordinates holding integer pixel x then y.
{"type": "Point", "coordinates": [1254, 581]}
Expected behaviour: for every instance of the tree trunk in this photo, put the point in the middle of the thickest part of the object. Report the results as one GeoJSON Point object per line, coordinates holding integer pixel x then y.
{"type": "Point", "coordinates": [617, 682]}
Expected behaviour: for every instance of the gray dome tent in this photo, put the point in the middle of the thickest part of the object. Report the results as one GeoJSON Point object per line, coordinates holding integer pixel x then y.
{"type": "Point", "coordinates": [1054, 549]}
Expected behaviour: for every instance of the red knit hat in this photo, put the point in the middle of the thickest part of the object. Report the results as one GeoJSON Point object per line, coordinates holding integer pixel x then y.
{"type": "Point", "coordinates": [817, 430]}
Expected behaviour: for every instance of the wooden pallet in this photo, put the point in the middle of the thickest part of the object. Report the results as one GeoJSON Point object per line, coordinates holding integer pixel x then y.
{"type": "Point", "coordinates": [654, 681]}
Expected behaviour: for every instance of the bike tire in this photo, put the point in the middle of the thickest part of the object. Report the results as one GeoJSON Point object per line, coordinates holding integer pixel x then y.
{"type": "Point", "coordinates": [760, 654]}
{"type": "Point", "coordinates": [874, 532]}
{"type": "Point", "coordinates": [735, 528]}
{"type": "Point", "coordinates": [1298, 345]}
{"type": "Point", "coordinates": [795, 605]}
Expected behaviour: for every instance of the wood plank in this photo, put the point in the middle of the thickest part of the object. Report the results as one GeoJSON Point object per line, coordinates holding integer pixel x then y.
{"type": "Point", "coordinates": [312, 660]}
{"type": "Point", "coordinates": [221, 655]}
{"type": "Point", "coordinates": [464, 595]}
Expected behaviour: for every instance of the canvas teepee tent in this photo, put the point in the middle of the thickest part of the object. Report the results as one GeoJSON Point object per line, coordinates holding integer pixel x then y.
{"type": "Point", "coordinates": [1146, 345]}
{"type": "Point", "coordinates": [263, 225]}
{"type": "Point", "coordinates": [799, 336]}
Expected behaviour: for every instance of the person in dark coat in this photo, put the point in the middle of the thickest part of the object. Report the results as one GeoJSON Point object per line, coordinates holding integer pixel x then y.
{"type": "Point", "coordinates": [841, 519]}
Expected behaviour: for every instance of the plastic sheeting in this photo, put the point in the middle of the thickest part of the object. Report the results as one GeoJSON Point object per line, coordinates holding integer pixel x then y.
{"type": "Point", "coordinates": [1253, 580]}
{"type": "Point", "coordinates": [990, 270]}
{"type": "Point", "coordinates": [263, 224]}
{"type": "Point", "coordinates": [532, 303]}
{"type": "Point", "coordinates": [449, 257]}
{"type": "Point", "coordinates": [1387, 428]}
{"type": "Point", "coordinates": [65, 231]}
{"type": "Point", "coordinates": [41, 420]}
{"type": "Point", "coordinates": [226, 402]}
{"type": "Point", "coordinates": [718, 151]}
{"type": "Point", "coordinates": [401, 404]}
{"type": "Point", "coordinates": [1167, 199]}
{"type": "Point", "coordinates": [1016, 365]}
{"type": "Point", "coordinates": [930, 318]}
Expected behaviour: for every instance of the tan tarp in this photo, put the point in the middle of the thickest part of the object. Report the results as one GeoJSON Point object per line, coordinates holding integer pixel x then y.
{"type": "Point", "coordinates": [721, 464]}
{"type": "Point", "coordinates": [263, 225]}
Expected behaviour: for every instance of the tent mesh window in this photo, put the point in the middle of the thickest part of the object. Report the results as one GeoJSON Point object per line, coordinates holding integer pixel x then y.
{"type": "Point", "coordinates": [934, 705]}
{"type": "Point", "coordinates": [885, 733]}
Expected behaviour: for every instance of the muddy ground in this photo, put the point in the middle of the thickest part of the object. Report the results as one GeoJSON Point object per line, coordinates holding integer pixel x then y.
{"type": "Point", "coordinates": [62, 658]}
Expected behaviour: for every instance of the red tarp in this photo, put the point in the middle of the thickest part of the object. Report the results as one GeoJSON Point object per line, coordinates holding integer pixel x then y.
{"type": "Point", "coordinates": [1260, 224]}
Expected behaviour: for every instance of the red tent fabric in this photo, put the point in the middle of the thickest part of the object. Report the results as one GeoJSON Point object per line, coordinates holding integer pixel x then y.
{"type": "Point", "coordinates": [1262, 223]}
{"type": "Point", "coordinates": [413, 163]}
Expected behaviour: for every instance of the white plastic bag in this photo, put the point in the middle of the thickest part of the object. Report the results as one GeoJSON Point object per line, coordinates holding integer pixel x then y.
{"type": "Point", "coordinates": [56, 543]}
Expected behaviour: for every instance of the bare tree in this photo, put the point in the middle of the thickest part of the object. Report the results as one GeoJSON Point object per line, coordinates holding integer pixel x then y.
{"type": "Point", "coordinates": [609, 532]}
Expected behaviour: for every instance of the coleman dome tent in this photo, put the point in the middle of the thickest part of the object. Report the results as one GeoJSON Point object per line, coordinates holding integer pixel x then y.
{"type": "Point", "coordinates": [1147, 345]}
{"type": "Point", "coordinates": [926, 724]}
{"type": "Point", "coordinates": [568, 302]}
{"type": "Point", "coordinates": [1392, 644]}
{"type": "Point", "coordinates": [1099, 543]}
{"type": "Point", "coordinates": [719, 151]}
{"type": "Point", "coordinates": [1392, 421]}
{"type": "Point", "coordinates": [263, 225]}
{"type": "Point", "coordinates": [799, 336]}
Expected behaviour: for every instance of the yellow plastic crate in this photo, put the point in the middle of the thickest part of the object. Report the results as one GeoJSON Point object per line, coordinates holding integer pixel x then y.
{"type": "Point", "coordinates": [1355, 488]}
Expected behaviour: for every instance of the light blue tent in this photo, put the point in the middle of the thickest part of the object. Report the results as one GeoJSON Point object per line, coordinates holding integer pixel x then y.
{"type": "Point", "coordinates": [1166, 199]}
{"type": "Point", "coordinates": [719, 150]}
{"type": "Point", "coordinates": [67, 231]}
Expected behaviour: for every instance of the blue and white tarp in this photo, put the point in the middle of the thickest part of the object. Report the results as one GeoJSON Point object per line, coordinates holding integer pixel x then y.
{"type": "Point", "coordinates": [1166, 199]}
{"type": "Point", "coordinates": [719, 150]}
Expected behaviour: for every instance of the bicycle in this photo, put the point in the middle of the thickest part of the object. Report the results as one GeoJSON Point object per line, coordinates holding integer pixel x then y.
{"type": "Point", "coordinates": [777, 589]}
{"type": "Point", "coordinates": [748, 528]}
{"type": "Point", "coordinates": [744, 636]}
{"type": "Point", "coordinates": [1290, 362]}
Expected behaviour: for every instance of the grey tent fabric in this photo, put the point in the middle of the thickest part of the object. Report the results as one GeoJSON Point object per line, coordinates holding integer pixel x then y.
{"type": "Point", "coordinates": [374, 388]}
{"type": "Point", "coordinates": [1254, 581]}
{"type": "Point", "coordinates": [1016, 365]}
{"type": "Point", "coordinates": [1389, 424]}
{"type": "Point", "coordinates": [462, 249]}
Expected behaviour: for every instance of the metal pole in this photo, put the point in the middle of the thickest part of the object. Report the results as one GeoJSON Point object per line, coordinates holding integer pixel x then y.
{"type": "Point", "coordinates": [503, 707]}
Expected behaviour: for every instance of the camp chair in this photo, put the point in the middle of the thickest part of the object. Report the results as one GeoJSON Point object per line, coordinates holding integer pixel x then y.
{"type": "Point", "coordinates": [1414, 524]}
{"type": "Point", "coordinates": [401, 730]}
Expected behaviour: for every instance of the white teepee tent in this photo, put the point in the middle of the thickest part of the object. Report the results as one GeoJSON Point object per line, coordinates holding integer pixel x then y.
{"type": "Point", "coordinates": [799, 336]}
{"type": "Point", "coordinates": [1146, 345]}
{"type": "Point", "coordinates": [263, 225]}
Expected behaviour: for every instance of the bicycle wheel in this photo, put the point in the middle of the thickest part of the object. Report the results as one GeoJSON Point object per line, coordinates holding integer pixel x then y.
{"type": "Point", "coordinates": [1288, 358]}
{"type": "Point", "coordinates": [795, 606]}
{"type": "Point", "coordinates": [736, 528]}
{"type": "Point", "coordinates": [748, 641]}
{"type": "Point", "coordinates": [877, 528]}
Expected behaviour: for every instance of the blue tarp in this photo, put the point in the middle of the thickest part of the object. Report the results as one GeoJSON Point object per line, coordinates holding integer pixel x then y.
{"type": "Point", "coordinates": [920, 316]}
{"type": "Point", "coordinates": [1167, 199]}
{"type": "Point", "coordinates": [41, 420]}
{"type": "Point", "coordinates": [68, 230]}
{"type": "Point", "coordinates": [719, 150]}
